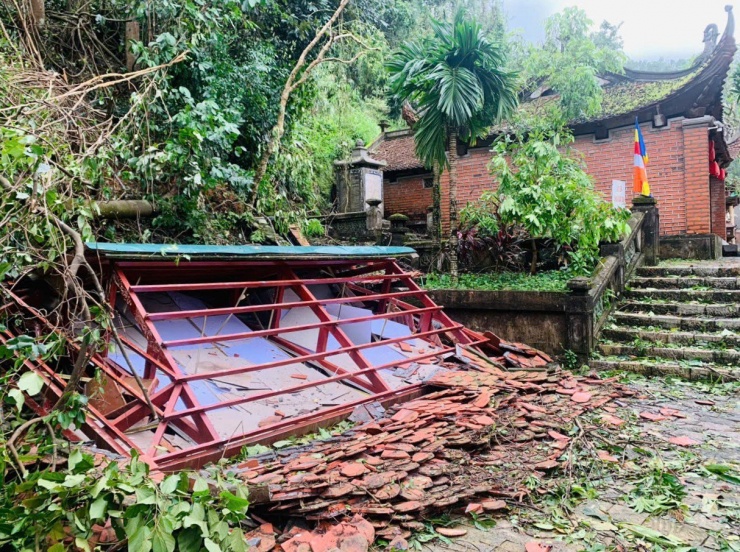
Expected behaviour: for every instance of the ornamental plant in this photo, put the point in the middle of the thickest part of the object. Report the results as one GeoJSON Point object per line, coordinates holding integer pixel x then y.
{"type": "Point", "coordinates": [543, 188]}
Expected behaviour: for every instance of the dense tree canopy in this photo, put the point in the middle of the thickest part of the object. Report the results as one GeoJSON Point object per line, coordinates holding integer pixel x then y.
{"type": "Point", "coordinates": [570, 60]}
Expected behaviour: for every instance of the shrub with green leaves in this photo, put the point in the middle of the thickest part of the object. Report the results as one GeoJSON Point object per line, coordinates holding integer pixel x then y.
{"type": "Point", "coordinates": [63, 506]}
{"type": "Point", "coordinates": [546, 190]}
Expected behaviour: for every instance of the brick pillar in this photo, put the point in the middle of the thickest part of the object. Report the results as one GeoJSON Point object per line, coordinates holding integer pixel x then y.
{"type": "Point", "coordinates": [719, 209]}
{"type": "Point", "coordinates": [696, 175]}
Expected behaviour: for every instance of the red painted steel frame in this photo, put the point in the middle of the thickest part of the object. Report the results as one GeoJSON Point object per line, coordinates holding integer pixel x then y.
{"type": "Point", "coordinates": [426, 322]}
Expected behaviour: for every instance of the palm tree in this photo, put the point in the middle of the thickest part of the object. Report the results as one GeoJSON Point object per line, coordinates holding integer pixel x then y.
{"type": "Point", "coordinates": [457, 82]}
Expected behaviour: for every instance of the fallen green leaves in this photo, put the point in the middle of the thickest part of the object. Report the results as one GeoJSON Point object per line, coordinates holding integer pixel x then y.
{"type": "Point", "coordinates": [724, 472]}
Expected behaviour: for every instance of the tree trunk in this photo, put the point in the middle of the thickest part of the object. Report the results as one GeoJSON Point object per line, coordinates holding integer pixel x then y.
{"type": "Point", "coordinates": [133, 33]}
{"type": "Point", "coordinates": [125, 208]}
{"type": "Point", "coordinates": [38, 12]}
{"type": "Point", "coordinates": [436, 204]}
{"type": "Point", "coordinates": [533, 267]}
{"type": "Point", "coordinates": [453, 207]}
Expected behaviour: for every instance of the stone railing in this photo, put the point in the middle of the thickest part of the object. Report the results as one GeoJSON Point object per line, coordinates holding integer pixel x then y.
{"type": "Point", "coordinates": [591, 300]}
{"type": "Point", "coordinates": [556, 322]}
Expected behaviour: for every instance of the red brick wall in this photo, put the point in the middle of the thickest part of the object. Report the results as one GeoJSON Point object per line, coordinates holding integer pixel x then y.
{"type": "Point", "coordinates": [407, 196]}
{"type": "Point", "coordinates": [678, 174]}
{"type": "Point", "coordinates": [678, 163]}
{"type": "Point", "coordinates": [696, 177]}
{"type": "Point", "coordinates": [473, 179]}
{"type": "Point", "coordinates": [719, 209]}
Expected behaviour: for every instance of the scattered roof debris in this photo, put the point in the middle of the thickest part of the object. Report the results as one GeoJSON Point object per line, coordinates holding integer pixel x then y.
{"type": "Point", "coordinates": [470, 445]}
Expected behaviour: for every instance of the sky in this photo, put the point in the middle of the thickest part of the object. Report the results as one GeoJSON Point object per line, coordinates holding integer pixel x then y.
{"type": "Point", "coordinates": [672, 29]}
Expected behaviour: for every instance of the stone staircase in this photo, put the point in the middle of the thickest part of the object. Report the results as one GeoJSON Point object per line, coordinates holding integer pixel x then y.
{"type": "Point", "coordinates": [676, 319]}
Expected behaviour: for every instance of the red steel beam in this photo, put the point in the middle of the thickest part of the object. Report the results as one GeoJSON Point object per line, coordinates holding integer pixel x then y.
{"type": "Point", "coordinates": [377, 383]}
{"type": "Point", "coordinates": [307, 385]}
{"type": "Point", "coordinates": [202, 423]}
{"type": "Point", "coordinates": [323, 363]}
{"type": "Point", "coordinates": [95, 359]}
{"type": "Point", "coordinates": [219, 338]}
{"type": "Point", "coordinates": [52, 379]}
{"type": "Point", "coordinates": [427, 302]}
{"type": "Point", "coordinates": [309, 358]}
{"type": "Point", "coordinates": [210, 286]}
{"type": "Point", "coordinates": [175, 315]}
{"type": "Point", "coordinates": [199, 455]}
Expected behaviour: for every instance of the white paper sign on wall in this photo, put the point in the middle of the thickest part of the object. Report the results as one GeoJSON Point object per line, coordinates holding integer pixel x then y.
{"type": "Point", "coordinates": [619, 193]}
{"type": "Point", "coordinates": [373, 184]}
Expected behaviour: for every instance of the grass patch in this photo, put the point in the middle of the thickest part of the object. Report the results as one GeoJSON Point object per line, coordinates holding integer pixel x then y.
{"type": "Point", "coordinates": [550, 280]}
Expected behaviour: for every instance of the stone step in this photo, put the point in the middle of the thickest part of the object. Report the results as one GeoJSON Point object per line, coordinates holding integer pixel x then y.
{"type": "Point", "coordinates": [683, 309]}
{"type": "Point", "coordinates": [667, 368]}
{"type": "Point", "coordinates": [726, 358]}
{"type": "Point", "coordinates": [626, 335]}
{"type": "Point", "coordinates": [686, 295]}
{"type": "Point", "coordinates": [685, 282]}
{"type": "Point", "coordinates": [690, 270]}
{"type": "Point", "coordinates": [675, 322]}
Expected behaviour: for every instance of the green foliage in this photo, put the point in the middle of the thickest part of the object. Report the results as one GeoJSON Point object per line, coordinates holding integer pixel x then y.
{"type": "Point", "coordinates": [551, 280]}
{"type": "Point", "coordinates": [28, 241]}
{"type": "Point", "coordinates": [570, 360]}
{"type": "Point", "coordinates": [570, 61]}
{"type": "Point", "coordinates": [48, 507]}
{"type": "Point", "coordinates": [547, 192]}
{"type": "Point", "coordinates": [457, 81]}
{"type": "Point", "coordinates": [482, 214]}
{"type": "Point", "coordinates": [314, 229]}
{"type": "Point", "coordinates": [338, 117]}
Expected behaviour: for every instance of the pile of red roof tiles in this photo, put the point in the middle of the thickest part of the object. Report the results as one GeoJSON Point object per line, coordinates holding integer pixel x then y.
{"type": "Point", "coordinates": [471, 444]}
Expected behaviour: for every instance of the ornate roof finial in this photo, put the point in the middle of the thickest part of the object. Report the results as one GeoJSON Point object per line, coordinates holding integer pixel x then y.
{"type": "Point", "coordinates": [710, 39]}
{"type": "Point", "coordinates": [730, 27]}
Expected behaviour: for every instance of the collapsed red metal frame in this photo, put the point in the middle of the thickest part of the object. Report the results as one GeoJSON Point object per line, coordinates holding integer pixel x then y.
{"type": "Point", "coordinates": [381, 285]}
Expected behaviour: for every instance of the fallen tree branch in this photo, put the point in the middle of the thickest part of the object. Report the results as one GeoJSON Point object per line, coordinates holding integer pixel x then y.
{"type": "Point", "coordinates": [99, 82]}
{"type": "Point", "coordinates": [74, 287]}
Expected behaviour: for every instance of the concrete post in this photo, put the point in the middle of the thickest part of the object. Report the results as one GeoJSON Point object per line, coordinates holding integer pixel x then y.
{"type": "Point", "coordinates": [650, 228]}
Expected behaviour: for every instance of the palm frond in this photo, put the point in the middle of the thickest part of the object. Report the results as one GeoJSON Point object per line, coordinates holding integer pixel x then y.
{"type": "Point", "coordinates": [457, 80]}
{"type": "Point", "coordinates": [460, 93]}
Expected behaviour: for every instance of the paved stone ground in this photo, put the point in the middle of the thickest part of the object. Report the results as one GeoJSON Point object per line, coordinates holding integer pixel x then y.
{"type": "Point", "coordinates": [709, 518]}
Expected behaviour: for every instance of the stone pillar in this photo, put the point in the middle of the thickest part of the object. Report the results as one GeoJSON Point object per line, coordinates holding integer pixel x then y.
{"type": "Point", "coordinates": [650, 228]}
{"type": "Point", "coordinates": [357, 180]}
{"type": "Point", "coordinates": [374, 217]}
{"type": "Point", "coordinates": [579, 315]}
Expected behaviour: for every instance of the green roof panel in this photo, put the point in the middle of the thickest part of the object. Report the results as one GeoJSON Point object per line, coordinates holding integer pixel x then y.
{"type": "Point", "coordinates": [158, 250]}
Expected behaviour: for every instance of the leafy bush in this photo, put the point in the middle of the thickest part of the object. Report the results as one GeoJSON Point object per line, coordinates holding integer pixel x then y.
{"type": "Point", "coordinates": [477, 250]}
{"type": "Point", "coordinates": [547, 192]}
{"type": "Point", "coordinates": [313, 229]}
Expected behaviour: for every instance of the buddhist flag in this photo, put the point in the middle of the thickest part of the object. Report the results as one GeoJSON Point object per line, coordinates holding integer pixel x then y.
{"type": "Point", "coordinates": [641, 185]}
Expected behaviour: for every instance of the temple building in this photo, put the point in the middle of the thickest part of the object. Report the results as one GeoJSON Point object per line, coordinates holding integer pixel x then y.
{"type": "Point", "coordinates": [680, 115]}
